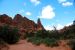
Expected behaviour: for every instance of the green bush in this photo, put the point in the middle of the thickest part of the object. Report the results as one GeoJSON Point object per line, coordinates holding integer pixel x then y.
{"type": "Point", "coordinates": [35, 40]}
{"type": "Point", "coordinates": [41, 34]}
{"type": "Point", "coordinates": [45, 37]}
{"type": "Point", "coordinates": [50, 42]}
{"type": "Point", "coordinates": [54, 34]}
{"type": "Point", "coordinates": [9, 35]}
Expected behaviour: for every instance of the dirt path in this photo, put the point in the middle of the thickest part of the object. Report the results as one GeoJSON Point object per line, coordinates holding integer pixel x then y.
{"type": "Point", "coordinates": [23, 45]}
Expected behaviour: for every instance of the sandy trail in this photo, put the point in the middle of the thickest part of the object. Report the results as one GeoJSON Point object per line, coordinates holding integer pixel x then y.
{"type": "Point", "coordinates": [23, 45]}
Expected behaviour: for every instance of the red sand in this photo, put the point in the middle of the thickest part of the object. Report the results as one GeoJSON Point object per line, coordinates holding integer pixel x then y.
{"type": "Point", "coordinates": [23, 45]}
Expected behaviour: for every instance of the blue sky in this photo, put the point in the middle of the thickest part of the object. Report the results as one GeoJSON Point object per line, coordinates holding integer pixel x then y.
{"type": "Point", "coordinates": [58, 13]}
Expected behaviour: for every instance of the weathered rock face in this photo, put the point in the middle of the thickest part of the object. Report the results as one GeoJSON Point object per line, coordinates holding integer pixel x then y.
{"type": "Point", "coordinates": [23, 23]}
{"type": "Point", "coordinates": [5, 19]}
{"type": "Point", "coordinates": [17, 21]}
{"type": "Point", "coordinates": [39, 25]}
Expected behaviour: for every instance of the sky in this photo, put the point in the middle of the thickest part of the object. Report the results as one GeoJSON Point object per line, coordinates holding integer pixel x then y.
{"type": "Point", "coordinates": [58, 13]}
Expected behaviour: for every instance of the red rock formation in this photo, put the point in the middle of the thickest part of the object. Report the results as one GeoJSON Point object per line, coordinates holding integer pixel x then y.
{"type": "Point", "coordinates": [5, 19]}
{"type": "Point", "coordinates": [23, 23]}
{"type": "Point", "coordinates": [18, 20]}
{"type": "Point", "coordinates": [39, 25]}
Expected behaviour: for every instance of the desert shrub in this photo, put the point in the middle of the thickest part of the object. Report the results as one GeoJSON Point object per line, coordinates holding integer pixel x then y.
{"type": "Point", "coordinates": [41, 34]}
{"type": "Point", "coordinates": [35, 40]}
{"type": "Point", "coordinates": [46, 37]}
{"type": "Point", "coordinates": [50, 42]}
{"type": "Point", "coordinates": [71, 43]}
{"type": "Point", "coordinates": [68, 34]}
{"type": "Point", "coordinates": [54, 34]}
{"type": "Point", "coordinates": [9, 35]}
{"type": "Point", "coordinates": [27, 35]}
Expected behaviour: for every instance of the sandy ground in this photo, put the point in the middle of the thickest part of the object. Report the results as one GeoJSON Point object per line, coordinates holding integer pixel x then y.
{"type": "Point", "coordinates": [23, 45]}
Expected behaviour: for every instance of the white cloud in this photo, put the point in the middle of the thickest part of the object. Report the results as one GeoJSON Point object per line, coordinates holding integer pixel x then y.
{"type": "Point", "coordinates": [28, 13]}
{"type": "Point", "coordinates": [59, 26]}
{"type": "Point", "coordinates": [36, 2]}
{"type": "Point", "coordinates": [67, 3]}
{"type": "Point", "coordinates": [23, 11]}
{"type": "Point", "coordinates": [47, 12]}
{"type": "Point", "coordinates": [69, 24]}
{"type": "Point", "coordinates": [48, 27]}
{"type": "Point", "coordinates": [61, 1]}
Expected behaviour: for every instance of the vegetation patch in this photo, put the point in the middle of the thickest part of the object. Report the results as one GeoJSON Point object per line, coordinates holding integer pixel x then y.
{"type": "Point", "coordinates": [9, 35]}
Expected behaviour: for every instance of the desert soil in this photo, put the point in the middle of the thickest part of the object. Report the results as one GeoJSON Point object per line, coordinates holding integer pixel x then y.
{"type": "Point", "coordinates": [24, 45]}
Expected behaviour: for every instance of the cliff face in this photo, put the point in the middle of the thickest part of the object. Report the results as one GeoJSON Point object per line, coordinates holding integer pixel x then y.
{"type": "Point", "coordinates": [23, 23]}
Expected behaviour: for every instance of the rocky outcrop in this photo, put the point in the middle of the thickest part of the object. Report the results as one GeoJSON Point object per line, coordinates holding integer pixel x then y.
{"type": "Point", "coordinates": [5, 19]}
{"type": "Point", "coordinates": [24, 24]}
{"type": "Point", "coordinates": [39, 25]}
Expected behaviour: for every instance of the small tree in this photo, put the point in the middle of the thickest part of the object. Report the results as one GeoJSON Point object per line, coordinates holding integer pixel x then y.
{"type": "Point", "coordinates": [9, 35]}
